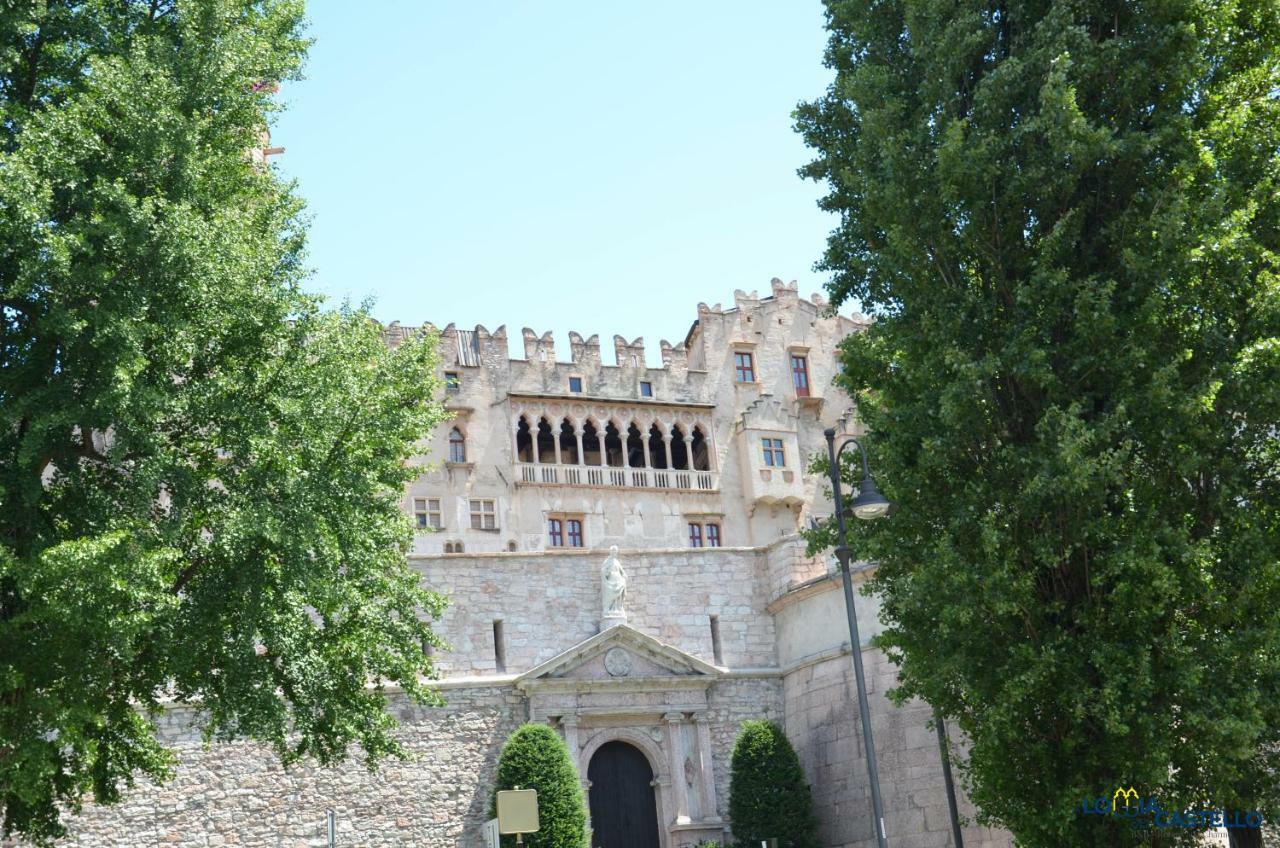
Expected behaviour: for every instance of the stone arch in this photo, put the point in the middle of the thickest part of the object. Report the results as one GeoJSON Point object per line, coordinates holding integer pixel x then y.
{"type": "Point", "coordinates": [614, 446]}
{"type": "Point", "coordinates": [567, 435]}
{"type": "Point", "coordinates": [679, 449]}
{"type": "Point", "coordinates": [652, 752]}
{"type": "Point", "coordinates": [544, 441]}
{"type": "Point", "coordinates": [699, 448]}
{"type": "Point", "coordinates": [632, 736]}
{"type": "Point", "coordinates": [655, 435]}
{"type": "Point", "coordinates": [524, 439]}
{"type": "Point", "coordinates": [592, 442]}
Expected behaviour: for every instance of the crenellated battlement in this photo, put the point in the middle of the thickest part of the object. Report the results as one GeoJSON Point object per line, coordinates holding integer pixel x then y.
{"type": "Point", "coordinates": [716, 325]}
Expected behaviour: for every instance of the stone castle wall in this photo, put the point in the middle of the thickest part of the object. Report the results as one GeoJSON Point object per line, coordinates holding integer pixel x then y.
{"type": "Point", "coordinates": [550, 602]}
{"type": "Point", "coordinates": [238, 794]}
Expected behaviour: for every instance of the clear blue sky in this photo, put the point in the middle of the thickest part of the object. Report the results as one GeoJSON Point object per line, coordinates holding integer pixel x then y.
{"type": "Point", "coordinates": [599, 166]}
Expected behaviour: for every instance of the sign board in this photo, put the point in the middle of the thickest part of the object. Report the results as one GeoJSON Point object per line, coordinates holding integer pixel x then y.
{"type": "Point", "coordinates": [491, 834]}
{"type": "Point", "coordinates": [518, 811]}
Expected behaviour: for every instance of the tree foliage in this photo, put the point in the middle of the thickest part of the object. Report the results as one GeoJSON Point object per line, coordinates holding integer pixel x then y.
{"type": "Point", "coordinates": [199, 469]}
{"type": "Point", "coordinates": [535, 757]}
{"type": "Point", "coordinates": [769, 797]}
{"type": "Point", "coordinates": [1064, 216]}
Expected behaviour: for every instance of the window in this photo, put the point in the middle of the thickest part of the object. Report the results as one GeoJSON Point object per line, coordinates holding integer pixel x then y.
{"type": "Point", "coordinates": [773, 456]}
{"type": "Point", "coordinates": [744, 368]}
{"type": "Point", "coordinates": [452, 384]}
{"type": "Point", "coordinates": [453, 547]}
{"type": "Point", "coordinates": [564, 531]}
{"type": "Point", "coordinates": [457, 446]}
{"type": "Point", "coordinates": [426, 513]}
{"type": "Point", "coordinates": [800, 374]}
{"type": "Point", "coordinates": [646, 389]}
{"type": "Point", "coordinates": [575, 385]}
{"type": "Point", "coordinates": [484, 515]}
{"type": "Point", "coordinates": [703, 533]}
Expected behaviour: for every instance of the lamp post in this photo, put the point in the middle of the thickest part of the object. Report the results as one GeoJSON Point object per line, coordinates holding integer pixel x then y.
{"type": "Point", "coordinates": [869, 505]}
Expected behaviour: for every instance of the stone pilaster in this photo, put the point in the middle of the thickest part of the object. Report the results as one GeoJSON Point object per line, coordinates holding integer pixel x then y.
{"type": "Point", "coordinates": [675, 760]}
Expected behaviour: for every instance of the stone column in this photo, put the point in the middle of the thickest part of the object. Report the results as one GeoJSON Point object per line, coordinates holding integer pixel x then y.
{"type": "Point", "coordinates": [666, 446]}
{"type": "Point", "coordinates": [675, 762]}
{"type": "Point", "coordinates": [706, 771]}
{"type": "Point", "coordinates": [570, 724]}
{"type": "Point", "coordinates": [577, 434]}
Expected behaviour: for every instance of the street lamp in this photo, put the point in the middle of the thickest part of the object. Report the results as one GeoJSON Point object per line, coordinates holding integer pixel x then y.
{"type": "Point", "coordinates": [870, 505]}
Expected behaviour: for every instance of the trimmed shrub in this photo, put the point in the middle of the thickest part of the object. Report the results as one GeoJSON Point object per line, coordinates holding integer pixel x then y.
{"type": "Point", "coordinates": [535, 757]}
{"type": "Point", "coordinates": [768, 795]}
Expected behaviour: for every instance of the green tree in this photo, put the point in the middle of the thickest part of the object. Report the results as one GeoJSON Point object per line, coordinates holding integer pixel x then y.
{"type": "Point", "coordinates": [200, 470]}
{"type": "Point", "coordinates": [535, 757]}
{"type": "Point", "coordinates": [769, 797]}
{"type": "Point", "coordinates": [1064, 217]}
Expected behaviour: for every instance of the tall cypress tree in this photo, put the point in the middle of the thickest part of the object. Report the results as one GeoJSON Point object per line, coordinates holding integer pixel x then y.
{"type": "Point", "coordinates": [535, 757]}
{"type": "Point", "coordinates": [1064, 215]}
{"type": "Point", "coordinates": [769, 797]}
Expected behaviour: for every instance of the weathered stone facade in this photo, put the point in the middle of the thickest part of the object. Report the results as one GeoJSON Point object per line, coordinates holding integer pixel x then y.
{"type": "Point", "coordinates": [697, 473]}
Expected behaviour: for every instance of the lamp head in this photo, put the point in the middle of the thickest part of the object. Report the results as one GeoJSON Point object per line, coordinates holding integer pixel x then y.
{"type": "Point", "coordinates": [869, 503]}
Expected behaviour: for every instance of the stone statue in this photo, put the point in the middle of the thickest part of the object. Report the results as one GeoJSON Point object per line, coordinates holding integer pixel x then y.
{"type": "Point", "coordinates": [613, 588]}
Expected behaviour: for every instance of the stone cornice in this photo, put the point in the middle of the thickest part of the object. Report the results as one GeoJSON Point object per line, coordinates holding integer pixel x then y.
{"type": "Point", "coordinates": [617, 401]}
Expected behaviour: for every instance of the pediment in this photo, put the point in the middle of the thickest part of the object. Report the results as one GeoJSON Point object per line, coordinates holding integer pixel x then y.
{"type": "Point", "coordinates": [620, 653]}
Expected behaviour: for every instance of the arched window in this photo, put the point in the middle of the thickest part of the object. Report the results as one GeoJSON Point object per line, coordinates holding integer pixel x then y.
{"type": "Point", "coordinates": [524, 441]}
{"type": "Point", "coordinates": [679, 450]}
{"type": "Point", "coordinates": [613, 446]}
{"type": "Point", "coordinates": [698, 449]}
{"type": "Point", "coordinates": [457, 446]}
{"type": "Point", "coordinates": [657, 450]}
{"type": "Point", "coordinates": [635, 447]}
{"type": "Point", "coordinates": [546, 442]}
{"type": "Point", "coordinates": [591, 447]}
{"type": "Point", "coordinates": [568, 443]}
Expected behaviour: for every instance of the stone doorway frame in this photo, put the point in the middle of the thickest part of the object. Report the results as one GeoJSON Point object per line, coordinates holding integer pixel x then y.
{"type": "Point", "coordinates": [645, 745]}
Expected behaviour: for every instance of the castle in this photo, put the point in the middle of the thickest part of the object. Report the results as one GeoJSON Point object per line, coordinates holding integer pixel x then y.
{"type": "Point", "coordinates": [620, 548]}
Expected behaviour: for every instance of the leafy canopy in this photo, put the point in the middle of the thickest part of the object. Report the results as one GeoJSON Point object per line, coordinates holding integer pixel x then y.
{"type": "Point", "coordinates": [769, 797]}
{"type": "Point", "coordinates": [1064, 215]}
{"type": "Point", "coordinates": [535, 757]}
{"type": "Point", "coordinates": [199, 469]}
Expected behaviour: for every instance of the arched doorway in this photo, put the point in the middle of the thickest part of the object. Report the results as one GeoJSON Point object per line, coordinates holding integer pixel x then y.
{"type": "Point", "coordinates": [624, 813]}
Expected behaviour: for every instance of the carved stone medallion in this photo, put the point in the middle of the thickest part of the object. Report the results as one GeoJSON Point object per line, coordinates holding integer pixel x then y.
{"type": "Point", "coordinates": [617, 662]}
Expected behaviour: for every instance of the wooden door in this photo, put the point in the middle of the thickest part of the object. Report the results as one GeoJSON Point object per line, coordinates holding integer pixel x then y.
{"type": "Point", "coordinates": [624, 813]}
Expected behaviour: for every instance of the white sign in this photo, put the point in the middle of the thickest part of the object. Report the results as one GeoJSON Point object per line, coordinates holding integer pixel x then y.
{"type": "Point", "coordinates": [491, 833]}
